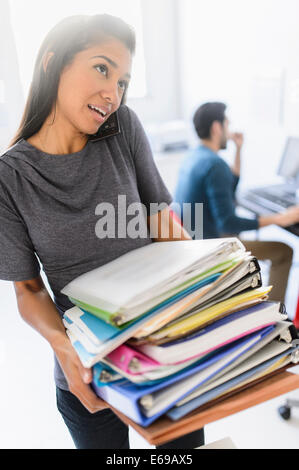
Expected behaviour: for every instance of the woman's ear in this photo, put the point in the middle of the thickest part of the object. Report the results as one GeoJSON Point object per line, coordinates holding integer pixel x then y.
{"type": "Point", "coordinates": [46, 60]}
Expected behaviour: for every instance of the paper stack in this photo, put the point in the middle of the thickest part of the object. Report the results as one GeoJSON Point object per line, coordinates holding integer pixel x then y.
{"type": "Point", "coordinates": [173, 325]}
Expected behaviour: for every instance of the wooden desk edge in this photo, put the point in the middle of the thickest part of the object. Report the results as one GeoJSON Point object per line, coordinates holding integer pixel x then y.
{"type": "Point", "coordinates": [164, 430]}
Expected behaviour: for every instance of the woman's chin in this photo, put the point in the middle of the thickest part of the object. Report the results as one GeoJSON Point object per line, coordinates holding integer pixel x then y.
{"type": "Point", "coordinates": [90, 130]}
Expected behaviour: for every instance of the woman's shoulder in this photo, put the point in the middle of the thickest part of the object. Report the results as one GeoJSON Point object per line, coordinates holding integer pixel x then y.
{"type": "Point", "coordinates": [124, 111]}
{"type": "Point", "coordinates": [128, 118]}
{"type": "Point", "coordinates": [7, 176]}
{"type": "Point", "coordinates": [18, 150]}
{"type": "Point", "coordinates": [4, 159]}
{"type": "Point", "coordinates": [131, 126]}
{"type": "Point", "coordinates": [11, 159]}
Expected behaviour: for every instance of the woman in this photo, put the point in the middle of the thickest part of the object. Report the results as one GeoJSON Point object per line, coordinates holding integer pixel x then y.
{"type": "Point", "coordinates": [58, 169]}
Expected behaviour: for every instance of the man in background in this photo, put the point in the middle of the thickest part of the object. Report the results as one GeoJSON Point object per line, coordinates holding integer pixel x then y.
{"type": "Point", "coordinates": [206, 178]}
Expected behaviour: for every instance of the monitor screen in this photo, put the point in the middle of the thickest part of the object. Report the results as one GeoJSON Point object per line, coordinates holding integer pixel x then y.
{"type": "Point", "coordinates": [289, 165]}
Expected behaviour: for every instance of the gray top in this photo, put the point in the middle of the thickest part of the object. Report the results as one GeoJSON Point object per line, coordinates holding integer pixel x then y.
{"type": "Point", "coordinates": [48, 206]}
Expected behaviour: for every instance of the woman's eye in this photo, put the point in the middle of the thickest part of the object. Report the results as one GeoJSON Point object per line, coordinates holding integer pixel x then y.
{"type": "Point", "coordinates": [102, 69]}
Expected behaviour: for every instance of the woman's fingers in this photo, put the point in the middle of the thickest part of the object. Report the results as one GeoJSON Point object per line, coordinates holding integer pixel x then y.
{"type": "Point", "coordinates": [87, 397]}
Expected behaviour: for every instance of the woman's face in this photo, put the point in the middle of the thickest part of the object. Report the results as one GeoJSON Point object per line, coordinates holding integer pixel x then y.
{"type": "Point", "coordinates": [92, 86]}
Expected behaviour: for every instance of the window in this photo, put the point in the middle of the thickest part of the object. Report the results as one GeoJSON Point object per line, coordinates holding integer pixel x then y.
{"type": "Point", "coordinates": [32, 19]}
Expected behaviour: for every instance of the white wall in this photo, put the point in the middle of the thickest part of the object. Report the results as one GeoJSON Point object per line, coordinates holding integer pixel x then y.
{"type": "Point", "coordinates": [245, 54]}
{"type": "Point", "coordinates": [160, 41]}
{"type": "Point", "coordinates": [11, 93]}
{"type": "Point", "coordinates": [32, 20]}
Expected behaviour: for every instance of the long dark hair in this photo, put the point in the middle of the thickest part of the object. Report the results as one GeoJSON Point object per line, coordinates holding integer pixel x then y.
{"type": "Point", "coordinates": [70, 36]}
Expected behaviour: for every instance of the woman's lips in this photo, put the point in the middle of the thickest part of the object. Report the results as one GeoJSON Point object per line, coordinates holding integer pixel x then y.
{"type": "Point", "coordinates": [98, 117]}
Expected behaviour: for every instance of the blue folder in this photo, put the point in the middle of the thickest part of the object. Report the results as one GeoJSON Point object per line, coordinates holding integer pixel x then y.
{"type": "Point", "coordinates": [102, 330]}
{"type": "Point", "coordinates": [180, 411]}
{"type": "Point", "coordinates": [264, 332]}
{"type": "Point", "coordinates": [125, 395]}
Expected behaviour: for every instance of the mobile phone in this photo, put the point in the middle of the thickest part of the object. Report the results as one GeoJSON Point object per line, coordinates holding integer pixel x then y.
{"type": "Point", "coordinates": [110, 128]}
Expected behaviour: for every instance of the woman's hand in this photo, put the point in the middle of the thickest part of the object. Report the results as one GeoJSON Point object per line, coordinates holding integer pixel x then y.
{"type": "Point", "coordinates": [38, 310]}
{"type": "Point", "coordinates": [165, 226]}
{"type": "Point", "coordinates": [77, 376]}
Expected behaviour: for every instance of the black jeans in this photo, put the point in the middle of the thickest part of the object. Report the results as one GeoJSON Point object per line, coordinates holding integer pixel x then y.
{"type": "Point", "coordinates": [104, 430]}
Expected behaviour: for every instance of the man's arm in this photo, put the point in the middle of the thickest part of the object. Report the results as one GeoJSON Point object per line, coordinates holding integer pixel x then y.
{"type": "Point", "coordinates": [220, 197]}
{"type": "Point", "coordinates": [283, 219]}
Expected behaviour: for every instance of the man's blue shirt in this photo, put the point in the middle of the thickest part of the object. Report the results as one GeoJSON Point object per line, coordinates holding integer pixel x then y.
{"type": "Point", "coordinates": [206, 178]}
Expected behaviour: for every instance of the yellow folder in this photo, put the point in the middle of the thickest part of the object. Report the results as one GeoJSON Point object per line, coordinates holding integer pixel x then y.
{"type": "Point", "coordinates": [190, 323]}
{"type": "Point", "coordinates": [181, 307]}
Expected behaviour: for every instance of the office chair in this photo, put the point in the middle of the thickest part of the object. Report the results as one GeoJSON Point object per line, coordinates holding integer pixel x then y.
{"type": "Point", "coordinates": [285, 410]}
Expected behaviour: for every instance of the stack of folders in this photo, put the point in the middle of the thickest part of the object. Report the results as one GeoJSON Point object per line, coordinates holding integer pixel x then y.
{"type": "Point", "coordinates": [173, 325]}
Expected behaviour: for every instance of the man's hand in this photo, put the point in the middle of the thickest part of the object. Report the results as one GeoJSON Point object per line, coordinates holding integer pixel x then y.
{"type": "Point", "coordinates": [288, 217]}
{"type": "Point", "coordinates": [238, 139]}
{"type": "Point", "coordinates": [77, 376]}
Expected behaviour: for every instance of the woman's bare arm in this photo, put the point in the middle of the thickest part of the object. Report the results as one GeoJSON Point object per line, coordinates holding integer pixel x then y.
{"type": "Point", "coordinates": [164, 227]}
{"type": "Point", "coordinates": [38, 309]}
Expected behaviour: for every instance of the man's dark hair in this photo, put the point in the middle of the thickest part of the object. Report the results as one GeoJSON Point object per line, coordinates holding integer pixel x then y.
{"type": "Point", "coordinates": [204, 117]}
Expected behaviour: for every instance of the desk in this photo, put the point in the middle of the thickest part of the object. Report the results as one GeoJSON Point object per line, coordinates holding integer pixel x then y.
{"type": "Point", "coordinates": [164, 429]}
{"type": "Point", "coordinates": [259, 210]}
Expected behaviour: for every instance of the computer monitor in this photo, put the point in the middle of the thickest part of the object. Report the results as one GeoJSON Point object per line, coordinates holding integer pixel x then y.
{"type": "Point", "coordinates": [289, 164]}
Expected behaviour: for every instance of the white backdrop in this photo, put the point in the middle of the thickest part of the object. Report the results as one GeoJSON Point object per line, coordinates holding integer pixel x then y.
{"type": "Point", "coordinates": [245, 54]}
{"type": "Point", "coordinates": [11, 93]}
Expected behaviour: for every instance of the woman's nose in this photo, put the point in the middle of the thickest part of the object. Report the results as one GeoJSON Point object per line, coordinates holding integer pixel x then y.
{"type": "Point", "coordinates": [111, 94]}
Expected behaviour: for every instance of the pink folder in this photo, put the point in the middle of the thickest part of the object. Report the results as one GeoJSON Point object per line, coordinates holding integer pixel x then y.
{"type": "Point", "coordinates": [131, 361]}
